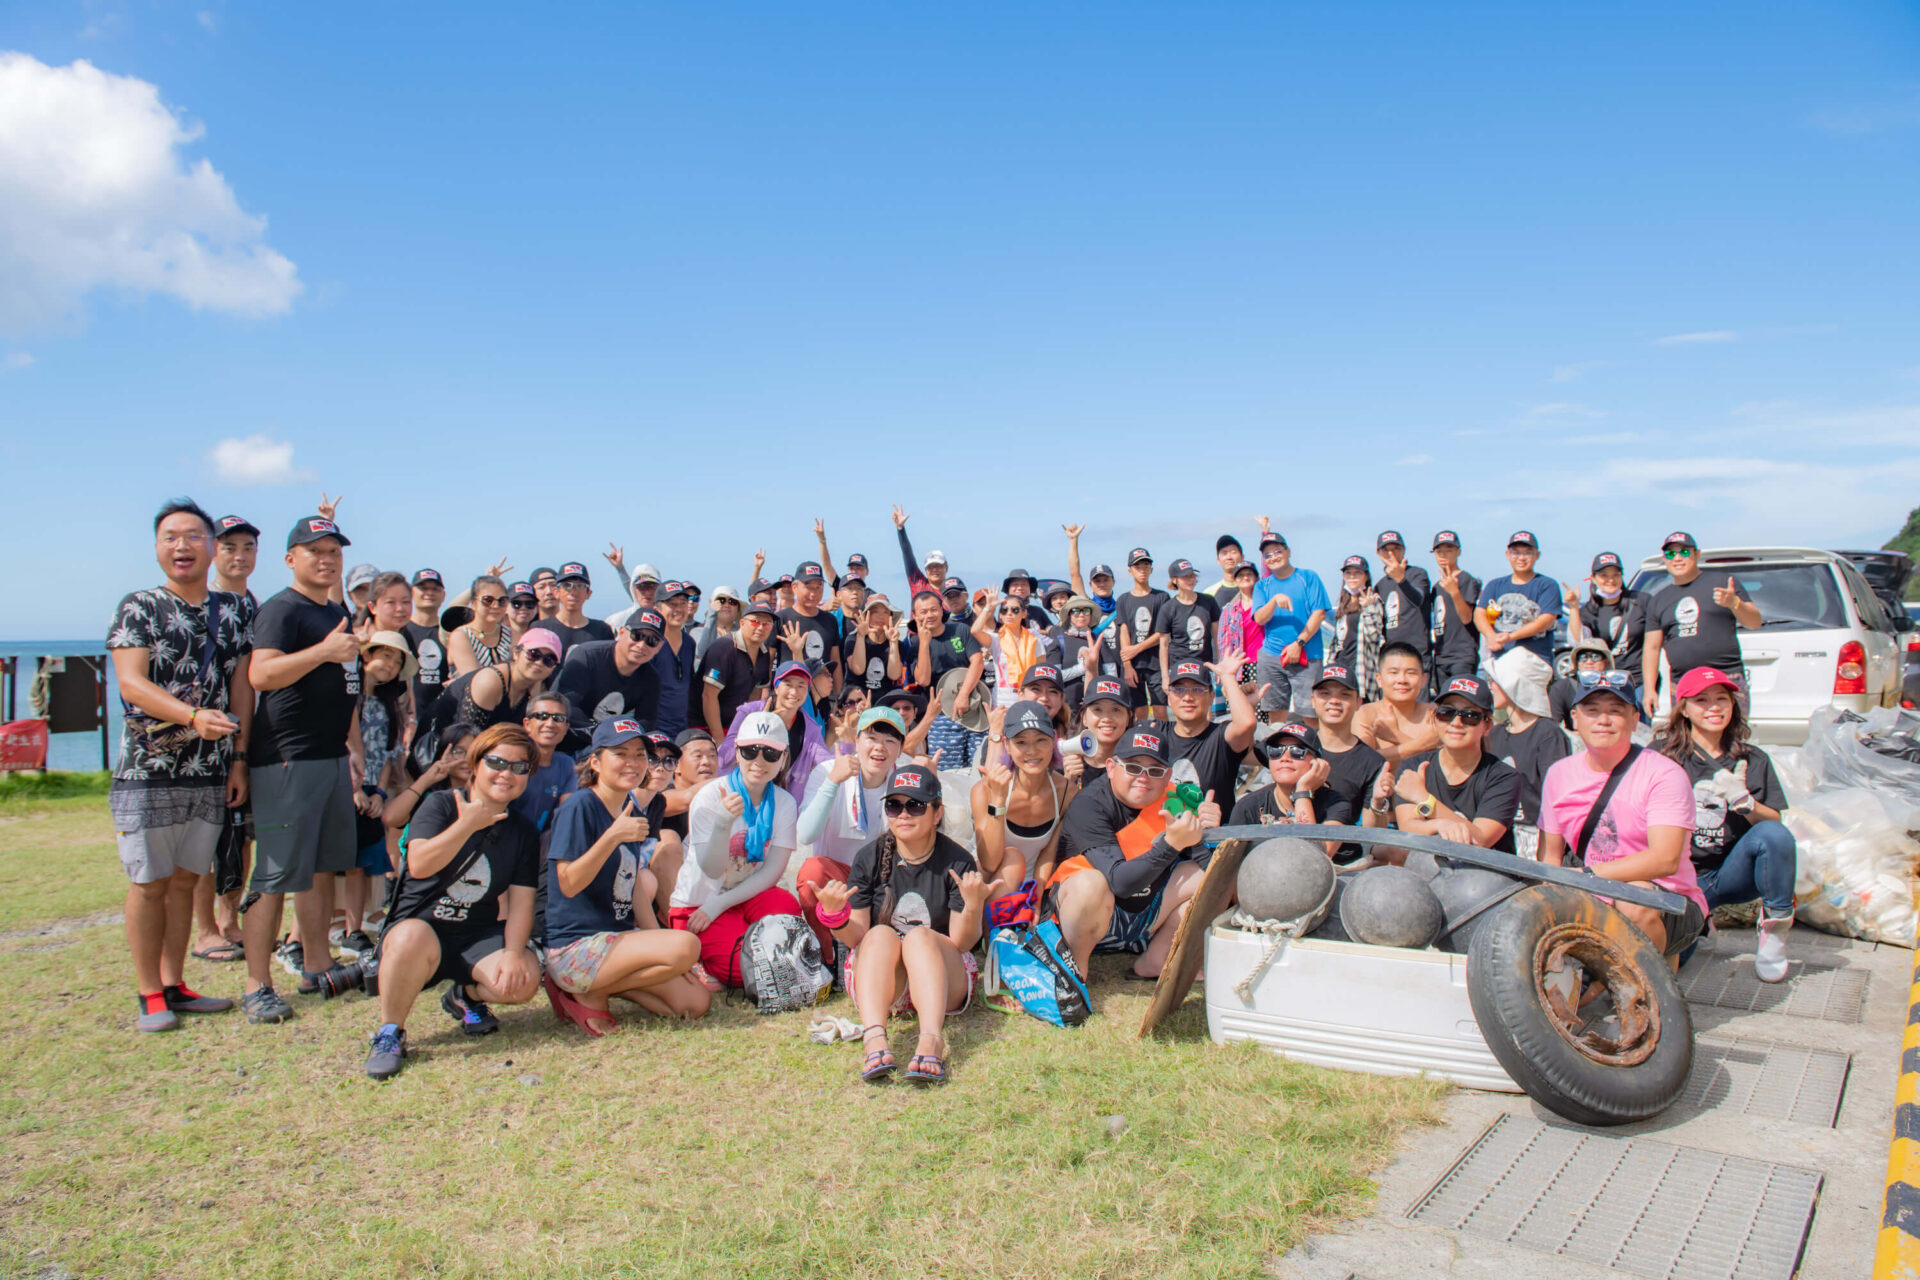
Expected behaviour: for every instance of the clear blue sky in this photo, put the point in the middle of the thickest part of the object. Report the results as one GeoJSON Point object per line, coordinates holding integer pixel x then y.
{"type": "Point", "coordinates": [686, 278]}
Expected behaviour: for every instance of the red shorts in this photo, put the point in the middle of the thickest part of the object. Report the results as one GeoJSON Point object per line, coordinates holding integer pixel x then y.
{"type": "Point", "coordinates": [720, 944]}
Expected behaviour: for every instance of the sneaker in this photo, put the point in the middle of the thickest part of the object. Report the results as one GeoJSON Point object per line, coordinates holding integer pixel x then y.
{"type": "Point", "coordinates": [265, 1005]}
{"type": "Point", "coordinates": [152, 1014]}
{"type": "Point", "coordinates": [357, 945]}
{"type": "Point", "coordinates": [184, 999]}
{"type": "Point", "coordinates": [1770, 952]}
{"type": "Point", "coordinates": [474, 1017]}
{"type": "Point", "coordinates": [337, 935]}
{"type": "Point", "coordinates": [389, 1052]}
{"type": "Point", "coordinates": [289, 956]}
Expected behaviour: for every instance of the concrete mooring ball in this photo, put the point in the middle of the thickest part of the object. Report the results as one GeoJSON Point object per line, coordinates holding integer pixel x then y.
{"type": "Point", "coordinates": [1391, 907]}
{"type": "Point", "coordinates": [1461, 893]}
{"type": "Point", "coordinates": [1284, 879]}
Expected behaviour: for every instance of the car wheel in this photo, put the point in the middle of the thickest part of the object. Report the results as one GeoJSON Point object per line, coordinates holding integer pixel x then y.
{"type": "Point", "coordinates": [1620, 1056]}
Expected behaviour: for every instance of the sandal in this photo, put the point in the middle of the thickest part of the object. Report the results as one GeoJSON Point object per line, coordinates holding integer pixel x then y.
{"type": "Point", "coordinates": [927, 1068]}
{"type": "Point", "coordinates": [879, 1063]}
{"type": "Point", "coordinates": [567, 1009]}
{"type": "Point", "coordinates": [225, 951]}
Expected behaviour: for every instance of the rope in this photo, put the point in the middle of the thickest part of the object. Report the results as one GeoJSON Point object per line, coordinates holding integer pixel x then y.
{"type": "Point", "coordinates": [1278, 932]}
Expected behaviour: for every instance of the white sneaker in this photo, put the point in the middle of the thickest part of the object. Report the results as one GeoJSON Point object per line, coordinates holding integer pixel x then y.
{"type": "Point", "coordinates": [1770, 953]}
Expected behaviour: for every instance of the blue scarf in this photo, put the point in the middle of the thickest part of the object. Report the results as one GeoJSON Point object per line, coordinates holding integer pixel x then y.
{"type": "Point", "coordinates": [758, 818]}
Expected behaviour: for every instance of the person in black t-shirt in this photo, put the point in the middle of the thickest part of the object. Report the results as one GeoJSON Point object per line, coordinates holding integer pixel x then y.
{"type": "Point", "coordinates": [911, 909]}
{"type": "Point", "coordinates": [463, 912]}
{"type": "Point", "coordinates": [1456, 639]}
{"type": "Point", "coordinates": [1530, 743]}
{"type": "Point", "coordinates": [736, 668]}
{"type": "Point", "coordinates": [1299, 792]}
{"type": "Point", "coordinates": [523, 610]}
{"type": "Point", "coordinates": [1186, 622]}
{"type": "Point", "coordinates": [1215, 749]}
{"type": "Point", "coordinates": [1457, 791]}
{"type": "Point", "coordinates": [572, 624]}
{"type": "Point", "coordinates": [608, 679]}
{"type": "Point", "coordinates": [1406, 597]}
{"type": "Point", "coordinates": [1135, 614]}
{"type": "Point", "coordinates": [429, 646]}
{"type": "Point", "coordinates": [1357, 612]}
{"type": "Point", "coordinates": [872, 648]}
{"type": "Point", "coordinates": [1358, 774]}
{"type": "Point", "coordinates": [1694, 622]}
{"type": "Point", "coordinates": [306, 665]}
{"type": "Point", "coordinates": [1616, 616]}
{"type": "Point", "coordinates": [806, 632]}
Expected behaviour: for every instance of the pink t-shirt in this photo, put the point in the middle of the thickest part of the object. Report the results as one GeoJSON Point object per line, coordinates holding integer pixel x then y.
{"type": "Point", "coordinates": [1655, 793]}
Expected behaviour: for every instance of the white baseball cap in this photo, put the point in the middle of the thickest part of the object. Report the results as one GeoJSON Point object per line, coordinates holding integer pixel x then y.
{"type": "Point", "coordinates": [645, 573]}
{"type": "Point", "coordinates": [936, 557]}
{"type": "Point", "coordinates": [762, 729]}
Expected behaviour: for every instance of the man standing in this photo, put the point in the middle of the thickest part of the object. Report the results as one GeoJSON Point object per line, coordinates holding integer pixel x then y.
{"type": "Point", "coordinates": [1140, 640]}
{"type": "Point", "coordinates": [643, 586]}
{"type": "Point", "coordinates": [675, 664]}
{"type": "Point", "coordinates": [216, 916]}
{"type": "Point", "coordinates": [1228, 551]}
{"type": "Point", "coordinates": [736, 668]}
{"type": "Point", "coordinates": [1694, 622]}
{"type": "Point", "coordinates": [547, 591]}
{"type": "Point", "coordinates": [177, 653]}
{"type": "Point", "coordinates": [609, 679]}
{"type": "Point", "coordinates": [571, 624]}
{"type": "Point", "coordinates": [1186, 623]}
{"type": "Point", "coordinates": [1456, 640]}
{"type": "Point", "coordinates": [819, 633]}
{"type": "Point", "coordinates": [1405, 595]}
{"type": "Point", "coordinates": [1291, 604]}
{"type": "Point", "coordinates": [1216, 749]}
{"type": "Point", "coordinates": [306, 665]}
{"type": "Point", "coordinates": [1517, 614]}
{"type": "Point", "coordinates": [930, 577]}
{"type": "Point", "coordinates": [423, 633]}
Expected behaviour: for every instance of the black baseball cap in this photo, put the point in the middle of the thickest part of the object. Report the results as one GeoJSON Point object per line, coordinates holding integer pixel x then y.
{"type": "Point", "coordinates": [1334, 673]}
{"type": "Point", "coordinates": [809, 571]}
{"type": "Point", "coordinates": [953, 586]}
{"type": "Point", "coordinates": [1522, 538]}
{"type": "Point", "coordinates": [856, 565]}
{"type": "Point", "coordinates": [1188, 671]}
{"type": "Point", "coordinates": [1271, 539]}
{"type": "Point", "coordinates": [756, 605]}
{"type": "Point", "coordinates": [1446, 538]}
{"type": "Point", "coordinates": [520, 591]}
{"type": "Point", "coordinates": [757, 586]}
{"type": "Point", "coordinates": [1246, 566]}
{"type": "Point", "coordinates": [1390, 538]}
{"type": "Point", "coordinates": [1106, 691]}
{"type": "Point", "coordinates": [646, 620]}
{"type": "Point", "coordinates": [1679, 539]}
{"type": "Point", "coordinates": [1181, 569]}
{"type": "Point", "coordinates": [573, 571]}
{"type": "Point", "coordinates": [1472, 688]}
{"type": "Point", "coordinates": [671, 590]}
{"type": "Point", "coordinates": [784, 580]}
{"type": "Point", "coordinates": [915, 782]}
{"type": "Point", "coordinates": [1353, 562]}
{"type": "Point", "coordinates": [1025, 715]}
{"type": "Point", "coordinates": [540, 575]}
{"type": "Point", "coordinates": [1605, 560]}
{"type": "Point", "coordinates": [1100, 571]}
{"type": "Point", "coordinates": [314, 528]}
{"type": "Point", "coordinates": [1138, 554]}
{"type": "Point", "coordinates": [1146, 740]}
{"type": "Point", "coordinates": [1228, 540]}
{"type": "Point", "coordinates": [660, 741]}
{"type": "Point", "coordinates": [1042, 671]}
{"type": "Point", "coordinates": [1293, 735]}
{"type": "Point", "coordinates": [423, 576]}
{"type": "Point", "coordinates": [906, 700]}
{"type": "Point", "coordinates": [695, 734]}
{"type": "Point", "coordinates": [233, 524]}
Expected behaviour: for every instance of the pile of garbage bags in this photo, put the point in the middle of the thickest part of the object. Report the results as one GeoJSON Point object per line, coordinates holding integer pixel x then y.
{"type": "Point", "coordinates": [1854, 809]}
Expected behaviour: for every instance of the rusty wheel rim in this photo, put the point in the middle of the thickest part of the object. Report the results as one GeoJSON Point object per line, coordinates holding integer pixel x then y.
{"type": "Point", "coordinates": [1569, 959]}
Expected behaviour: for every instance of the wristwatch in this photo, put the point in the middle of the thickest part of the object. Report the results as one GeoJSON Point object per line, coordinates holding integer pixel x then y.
{"type": "Point", "coordinates": [1426, 807]}
{"type": "Point", "coordinates": [1297, 796]}
{"type": "Point", "coordinates": [1377, 806]}
{"type": "Point", "coordinates": [993, 811]}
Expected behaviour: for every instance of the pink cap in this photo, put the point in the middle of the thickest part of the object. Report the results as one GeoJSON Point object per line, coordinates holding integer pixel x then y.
{"type": "Point", "coordinates": [541, 638]}
{"type": "Point", "coordinates": [1701, 679]}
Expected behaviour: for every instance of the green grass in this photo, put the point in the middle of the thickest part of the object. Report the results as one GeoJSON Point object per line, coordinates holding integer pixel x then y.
{"type": "Point", "coordinates": [732, 1147]}
{"type": "Point", "coordinates": [17, 789]}
{"type": "Point", "coordinates": [58, 860]}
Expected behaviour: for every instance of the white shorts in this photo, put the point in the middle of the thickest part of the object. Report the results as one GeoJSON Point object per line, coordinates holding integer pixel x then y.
{"type": "Point", "coordinates": [155, 853]}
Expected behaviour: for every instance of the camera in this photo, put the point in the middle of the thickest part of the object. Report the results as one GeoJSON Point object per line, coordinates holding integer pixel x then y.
{"type": "Point", "coordinates": [342, 978]}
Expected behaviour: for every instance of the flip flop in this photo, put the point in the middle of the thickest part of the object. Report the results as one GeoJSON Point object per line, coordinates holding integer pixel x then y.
{"type": "Point", "coordinates": [225, 952]}
{"type": "Point", "coordinates": [933, 1072]}
{"type": "Point", "coordinates": [879, 1063]}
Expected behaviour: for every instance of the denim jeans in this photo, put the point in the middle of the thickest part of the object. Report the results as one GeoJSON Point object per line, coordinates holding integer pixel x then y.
{"type": "Point", "coordinates": [1760, 865]}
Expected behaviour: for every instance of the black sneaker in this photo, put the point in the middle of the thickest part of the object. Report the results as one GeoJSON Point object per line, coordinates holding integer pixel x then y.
{"type": "Point", "coordinates": [184, 999]}
{"type": "Point", "coordinates": [265, 1005]}
{"type": "Point", "coordinates": [357, 945]}
{"type": "Point", "coordinates": [290, 956]}
{"type": "Point", "coordinates": [389, 1052]}
{"type": "Point", "coordinates": [474, 1017]}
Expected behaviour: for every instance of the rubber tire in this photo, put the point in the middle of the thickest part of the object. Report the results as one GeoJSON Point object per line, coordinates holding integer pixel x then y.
{"type": "Point", "coordinates": [1520, 1030]}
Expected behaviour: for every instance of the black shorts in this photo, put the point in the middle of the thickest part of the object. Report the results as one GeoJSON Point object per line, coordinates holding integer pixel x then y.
{"type": "Point", "coordinates": [1683, 930]}
{"type": "Point", "coordinates": [1147, 692]}
{"type": "Point", "coordinates": [459, 952]}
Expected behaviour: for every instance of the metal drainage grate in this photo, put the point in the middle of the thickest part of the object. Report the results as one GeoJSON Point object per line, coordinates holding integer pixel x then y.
{"type": "Point", "coordinates": [1759, 1077]}
{"type": "Point", "coordinates": [1648, 1208]}
{"type": "Point", "coordinates": [1813, 991]}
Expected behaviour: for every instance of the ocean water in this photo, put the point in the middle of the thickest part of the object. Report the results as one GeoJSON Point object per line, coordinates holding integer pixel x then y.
{"type": "Point", "coordinates": [76, 751]}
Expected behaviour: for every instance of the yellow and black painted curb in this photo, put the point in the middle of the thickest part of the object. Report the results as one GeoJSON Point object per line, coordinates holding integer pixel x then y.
{"type": "Point", "coordinates": [1898, 1255]}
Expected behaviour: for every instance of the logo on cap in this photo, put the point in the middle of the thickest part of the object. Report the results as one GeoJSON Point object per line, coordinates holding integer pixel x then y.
{"type": "Point", "coordinates": [626, 726]}
{"type": "Point", "coordinates": [1138, 553]}
{"type": "Point", "coordinates": [1446, 535]}
{"type": "Point", "coordinates": [1464, 684]}
{"type": "Point", "coordinates": [571, 569]}
{"type": "Point", "coordinates": [227, 522]}
{"type": "Point", "coordinates": [908, 778]}
{"type": "Point", "coordinates": [1678, 537]}
{"type": "Point", "coordinates": [1608, 558]}
{"type": "Point", "coordinates": [1335, 672]}
{"type": "Point", "coordinates": [1107, 688]}
{"type": "Point", "coordinates": [317, 525]}
{"type": "Point", "coordinates": [1150, 741]}
{"type": "Point", "coordinates": [1294, 731]}
{"type": "Point", "coordinates": [648, 618]}
{"type": "Point", "coordinates": [1188, 670]}
{"type": "Point", "coordinates": [1389, 536]}
{"type": "Point", "coordinates": [1521, 535]}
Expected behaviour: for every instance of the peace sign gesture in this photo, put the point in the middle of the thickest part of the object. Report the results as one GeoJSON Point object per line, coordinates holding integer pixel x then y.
{"type": "Point", "coordinates": [328, 505]}
{"type": "Point", "coordinates": [499, 567]}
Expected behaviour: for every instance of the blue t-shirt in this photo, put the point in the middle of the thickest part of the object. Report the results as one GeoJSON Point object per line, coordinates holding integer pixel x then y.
{"type": "Point", "coordinates": [547, 786]}
{"type": "Point", "coordinates": [605, 905]}
{"type": "Point", "coordinates": [1522, 602]}
{"type": "Point", "coordinates": [1304, 591]}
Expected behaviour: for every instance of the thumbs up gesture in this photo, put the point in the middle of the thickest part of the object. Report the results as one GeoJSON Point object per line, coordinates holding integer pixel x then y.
{"type": "Point", "coordinates": [340, 644]}
{"type": "Point", "coordinates": [1728, 596]}
{"type": "Point", "coordinates": [1412, 787]}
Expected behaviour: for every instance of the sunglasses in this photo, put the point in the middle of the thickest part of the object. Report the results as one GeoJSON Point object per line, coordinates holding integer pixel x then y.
{"type": "Point", "coordinates": [1677, 553]}
{"type": "Point", "coordinates": [1617, 681]}
{"type": "Point", "coordinates": [1465, 715]}
{"type": "Point", "coordinates": [645, 637]}
{"type": "Point", "coordinates": [1292, 751]}
{"type": "Point", "coordinates": [523, 604]}
{"type": "Point", "coordinates": [770, 754]}
{"type": "Point", "coordinates": [897, 807]}
{"type": "Point", "coordinates": [490, 601]}
{"type": "Point", "coordinates": [547, 717]}
{"type": "Point", "coordinates": [500, 764]}
{"type": "Point", "coordinates": [663, 762]}
{"type": "Point", "coordinates": [540, 657]}
{"type": "Point", "coordinates": [1154, 771]}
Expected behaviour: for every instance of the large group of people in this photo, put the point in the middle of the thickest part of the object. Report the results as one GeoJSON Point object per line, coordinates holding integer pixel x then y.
{"type": "Point", "coordinates": [495, 791]}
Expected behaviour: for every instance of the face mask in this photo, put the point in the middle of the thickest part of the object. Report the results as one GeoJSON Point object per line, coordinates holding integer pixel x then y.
{"type": "Point", "coordinates": [1604, 594]}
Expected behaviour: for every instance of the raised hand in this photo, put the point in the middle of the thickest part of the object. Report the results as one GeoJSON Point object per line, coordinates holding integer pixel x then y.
{"type": "Point", "coordinates": [844, 765]}
{"type": "Point", "coordinates": [1412, 787]}
{"type": "Point", "coordinates": [1450, 580]}
{"type": "Point", "coordinates": [1208, 813]}
{"type": "Point", "coordinates": [499, 568]}
{"type": "Point", "coordinates": [1383, 786]}
{"type": "Point", "coordinates": [1184, 831]}
{"type": "Point", "coordinates": [631, 825]}
{"type": "Point", "coordinates": [794, 636]}
{"type": "Point", "coordinates": [1728, 596]}
{"type": "Point", "coordinates": [1570, 597]}
{"type": "Point", "coordinates": [1073, 531]}
{"type": "Point", "coordinates": [997, 772]}
{"type": "Point", "coordinates": [819, 528]}
{"type": "Point", "coordinates": [474, 813]}
{"type": "Point", "coordinates": [1315, 777]}
{"type": "Point", "coordinates": [833, 897]}
{"type": "Point", "coordinates": [617, 557]}
{"type": "Point", "coordinates": [328, 505]}
{"type": "Point", "coordinates": [975, 889]}
{"type": "Point", "coordinates": [363, 629]}
{"type": "Point", "coordinates": [1073, 767]}
{"type": "Point", "coordinates": [732, 801]}
{"type": "Point", "coordinates": [900, 516]}
{"type": "Point", "coordinates": [340, 644]}
{"type": "Point", "coordinates": [1266, 523]}
{"type": "Point", "coordinates": [759, 560]}
{"type": "Point", "coordinates": [441, 768]}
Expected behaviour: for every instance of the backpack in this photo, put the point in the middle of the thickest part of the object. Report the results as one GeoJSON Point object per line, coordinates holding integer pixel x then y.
{"type": "Point", "coordinates": [780, 965]}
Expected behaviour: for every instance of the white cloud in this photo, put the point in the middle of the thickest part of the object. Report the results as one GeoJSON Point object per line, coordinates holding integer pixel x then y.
{"type": "Point", "coordinates": [1704, 335]}
{"type": "Point", "coordinates": [97, 193]}
{"type": "Point", "coordinates": [1568, 372]}
{"type": "Point", "coordinates": [256, 459]}
{"type": "Point", "coordinates": [1414, 460]}
{"type": "Point", "coordinates": [206, 19]}
{"type": "Point", "coordinates": [1565, 409]}
{"type": "Point", "coordinates": [16, 360]}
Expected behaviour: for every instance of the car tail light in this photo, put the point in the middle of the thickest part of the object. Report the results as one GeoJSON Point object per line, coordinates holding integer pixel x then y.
{"type": "Point", "coordinates": [1913, 645]}
{"type": "Point", "coordinates": [1850, 673]}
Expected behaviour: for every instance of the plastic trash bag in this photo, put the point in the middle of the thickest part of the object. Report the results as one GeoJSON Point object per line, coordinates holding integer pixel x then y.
{"type": "Point", "coordinates": [1795, 778]}
{"type": "Point", "coordinates": [1846, 750]}
{"type": "Point", "coordinates": [1856, 864]}
{"type": "Point", "coordinates": [956, 793]}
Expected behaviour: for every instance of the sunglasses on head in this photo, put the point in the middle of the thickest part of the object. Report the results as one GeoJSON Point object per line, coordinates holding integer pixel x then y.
{"type": "Point", "coordinates": [1465, 715]}
{"type": "Point", "coordinates": [770, 754]}
{"type": "Point", "coordinates": [490, 601]}
{"type": "Point", "coordinates": [898, 806]}
{"type": "Point", "coordinates": [540, 657]}
{"type": "Point", "coordinates": [1618, 681]}
{"type": "Point", "coordinates": [645, 637]}
{"type": "Point", "coordinates": [1154, 771]}
{"type": "Point", "coordinates": [1292, 751]}
{"type": "Point", "coordinates": [547, 717]}
{"type": "Point", "coordinates": [500, 764]}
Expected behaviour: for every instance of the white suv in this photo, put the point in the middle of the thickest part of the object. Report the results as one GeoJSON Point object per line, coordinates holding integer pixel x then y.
{"type": "Point", "coordinates": [1824, 640]}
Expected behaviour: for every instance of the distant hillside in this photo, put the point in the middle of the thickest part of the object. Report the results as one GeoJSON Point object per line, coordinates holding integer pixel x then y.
{"type": "Point", "coordinates": [1908, 540]}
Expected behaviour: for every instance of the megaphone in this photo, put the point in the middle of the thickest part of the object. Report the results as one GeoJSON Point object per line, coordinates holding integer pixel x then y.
{"type": "Point", "coordinates": [1080, 744]}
